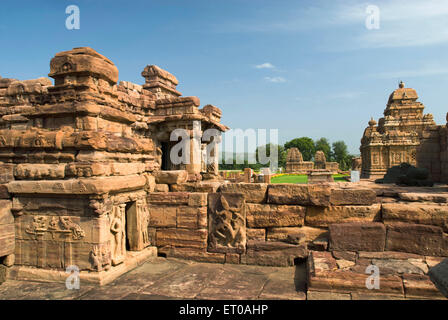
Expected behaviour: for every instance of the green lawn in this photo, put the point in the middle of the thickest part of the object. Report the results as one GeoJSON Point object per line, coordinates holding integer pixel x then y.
{"type": "Point", "coordinates": [301, 178]}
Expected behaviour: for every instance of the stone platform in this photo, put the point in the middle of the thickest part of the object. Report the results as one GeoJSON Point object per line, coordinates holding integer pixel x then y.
{"type": "Point", "coordinates": [344, 275]}
{"type": "Point", "coordinates": [168, 278]}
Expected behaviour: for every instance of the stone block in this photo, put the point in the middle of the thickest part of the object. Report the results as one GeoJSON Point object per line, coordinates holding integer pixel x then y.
{"type": "Point", "coordinates": [191, 217]}
{"type": "Point", "coordinates": [199, 255]}
{"type": "Point", "coordinates": [197, 199]}
{"type": "Point", "coordinates": [4, 194]}
{"type": "Point", "coordinates": [415, 212]}
{"type": "Point", "coordinates": [416, 238]}
{"type": "Point", "coordinates": [162, 216]}
{"type": "Point", "coordinates": [420, 286]}
{"type": "Point", "coordinates": [325, 216]}
{"type": "Point", "coordinates": [356, 236]}
{"type": "Point", "coordinates": [161, 188]}
{"type": "Point", "coordinates": [352, 196]}
{"type": "Point", "coordinates": [226, 222]}
{"type": "Point", "coordinates": [6, 216]}
{"type": "Point", "coordinates": [288, 193]}
{"type": "Point", "coordinates": [348, 281]}
{"type": "Point", "coordinates": [171, 177]}
{"type": "Point", "coordinates": [255, 234]}
{"type": "Point", "coordinates": [272, 215]}
{"type": "Point", "coordinates": [273, 253]}
{"type": "Point", "coordinates": [184, 238]}
{"type": "Point", "coordinates": [439, 276]}
{"type": "Point", "coordinates": [168, 198]}
{"type": "Point", "coordinates": [290, 235]}
{"type": "Point", "coordinates": [252, 192]}
{"type": "Point", "coordinates": [7, 239]}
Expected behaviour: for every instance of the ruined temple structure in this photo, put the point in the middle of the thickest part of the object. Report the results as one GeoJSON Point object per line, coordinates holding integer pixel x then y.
{"type": "Point", "coordinates": [295, 163]}
{"type": "Point", "coordinates": [87, 184]}
{"type": "Point", "coordinates": [404, 135]}
{"type": "Point", "coordinates": [78, 158]}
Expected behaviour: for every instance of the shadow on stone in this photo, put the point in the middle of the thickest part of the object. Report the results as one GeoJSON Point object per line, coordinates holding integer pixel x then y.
{"type": "Point", "coordinates": [407, 175]}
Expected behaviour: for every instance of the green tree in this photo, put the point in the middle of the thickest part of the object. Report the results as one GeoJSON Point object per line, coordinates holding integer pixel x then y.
{"type": "Point", "coordinates": [341, 155]}
{"type": "Point", "coordinates": [323, 145]}
{"type": "Point", "coordinates": [305, 145]}
{"type": "Point", "coordinates": [266, 150]}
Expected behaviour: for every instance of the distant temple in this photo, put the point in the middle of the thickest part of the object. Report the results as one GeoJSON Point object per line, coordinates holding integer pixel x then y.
{"type": "Point", "coordinates": [404, 134]}
{"type": "Point", "coordinates": [295, 163]}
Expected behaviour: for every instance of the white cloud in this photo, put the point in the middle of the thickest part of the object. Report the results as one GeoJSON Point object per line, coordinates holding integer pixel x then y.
{"type": "Point", "coordinates": [265, 65]}
{"type": "Point", "coordinates": [403, 23]}
{"type": "Point", "coordinates": [275, 79]}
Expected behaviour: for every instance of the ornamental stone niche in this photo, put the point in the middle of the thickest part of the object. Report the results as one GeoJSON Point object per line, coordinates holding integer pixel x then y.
{"type": "Point", "coordinates": [78, 159]}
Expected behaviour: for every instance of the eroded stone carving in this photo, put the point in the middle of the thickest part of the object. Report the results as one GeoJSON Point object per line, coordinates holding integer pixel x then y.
{"type": "Point", "coordinates": [55, 225]}
{"type": "Point", "coordinates": [117, 228]}
{"type": "Point", "coordinates": [227, 222]}
{"type": "Point", "coordinates": [100, 257]}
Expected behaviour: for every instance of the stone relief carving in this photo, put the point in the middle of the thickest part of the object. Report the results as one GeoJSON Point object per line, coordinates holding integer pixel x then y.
{"type": "Point", "coordinates": [100, 257]}
{"type": "Point", "coordinates": [227, 222]}
{"type": "Point", "coordinates": [55, 225]}
{"type": "Point", "coordinates": [117, 228]}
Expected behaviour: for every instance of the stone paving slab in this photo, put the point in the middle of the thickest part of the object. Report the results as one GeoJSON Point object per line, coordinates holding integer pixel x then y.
{"type": "Point", "coordinates": [167, 278]}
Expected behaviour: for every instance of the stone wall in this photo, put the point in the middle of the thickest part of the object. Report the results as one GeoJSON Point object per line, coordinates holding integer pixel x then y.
{"type": "Point", "coordinates": [277, 224]}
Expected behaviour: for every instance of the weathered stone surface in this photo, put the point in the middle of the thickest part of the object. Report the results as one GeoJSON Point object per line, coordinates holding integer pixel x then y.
{"type": "Point", "coordinates": [7, 239]}
{"type": "Point", "coordinates": [192, 254]}
{"type": "Point", "coordinates": [232, 258]}
{"type": "Point", "coordinates": [356, 236]}
{"type": "Point", "coordinates": [327, 295]}
{"type": "Point", "coordinates": [203, 186]}
{"type": "Point", "coordinates": [345, 255]}
{"type": "Point", "coordinates": [162, 187]}
{"type": "Point", "coordinates": [169, 198]}
{"type": "Point", "coordinates": [388, 255]}
{"type": "Point", "coordinates": [439, 276]}
{"type": "Point", "coordinates": [271, 215]}
{"type": "Point", "coordinates": [423, 197]}
{"type": "Point", "coordinates": [185, 238]}
{"type": "Point", "coordinates": [352, 196]}
{"type": "Point", "coordinates": [171, 177]}
{"type": "Point", "coordinates": [420, 213]}
{"type": "Point", "coordinates": [191, 217]}
{"type": "Point", "coordinates": [288, 193]}
{"type": "Point", "coordinates": [273, 253]}
{"type": "Point", "coordinates": [162, 216]}
{"type": "Point", "coordinates": [197, 199]}
{"type": "Point", "coordinates": [391, 266]}
{"type": "Point", "coordinates": [226, 222]}
{"type": "Point", "coordinates": [415, 238]}
{"type": "Point", "coordinates": [321, 261]}
{"type": "Point", "coordinates": [4, 194]}
{"type": "Point", "coordinates": [344, 264]}
{"type": "Point", "coordinates": [255, 234]}
{"type": "Point", "coordinates": [292, 235]}
{"type": "Point", "coordinates": [325, 216]}
{"type": "Point", "coordinates": [9, 260]}
{"type": "Point", "coordinates": [347, 281]}
{"type": "Point", "coordinates": [420, 286]}
{"type": "Point", "coordinates": [253, 192]}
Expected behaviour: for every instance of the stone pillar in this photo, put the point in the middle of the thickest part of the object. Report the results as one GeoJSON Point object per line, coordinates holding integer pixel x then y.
{"type": "Point", "coordinates": [248, 175]}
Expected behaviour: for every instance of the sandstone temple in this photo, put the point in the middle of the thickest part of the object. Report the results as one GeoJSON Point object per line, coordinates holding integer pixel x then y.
{"type": "Point", "coordinates": [404, 134]}
{"type": "Point", "coordinates": [295, 163]}
{"type": "Point", "coordinates": [87, 181]}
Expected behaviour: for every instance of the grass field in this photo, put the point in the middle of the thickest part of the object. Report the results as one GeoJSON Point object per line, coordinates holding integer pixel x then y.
{"type": "Point", "coordinates": [301, 178]}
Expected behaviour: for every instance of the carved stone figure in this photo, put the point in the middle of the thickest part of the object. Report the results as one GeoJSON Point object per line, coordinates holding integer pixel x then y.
{"type": "Point", "coordinates": [117, 228]}
{"type": "Point", "coordinates": [227, 222]}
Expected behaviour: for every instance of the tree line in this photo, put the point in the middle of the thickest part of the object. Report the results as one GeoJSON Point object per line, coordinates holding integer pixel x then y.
{"type": "Point", "coordinates": [337, 152]}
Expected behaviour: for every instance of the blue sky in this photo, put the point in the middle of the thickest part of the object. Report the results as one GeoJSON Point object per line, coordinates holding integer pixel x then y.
{"type": "Point", "coordinates": [307, 68]}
